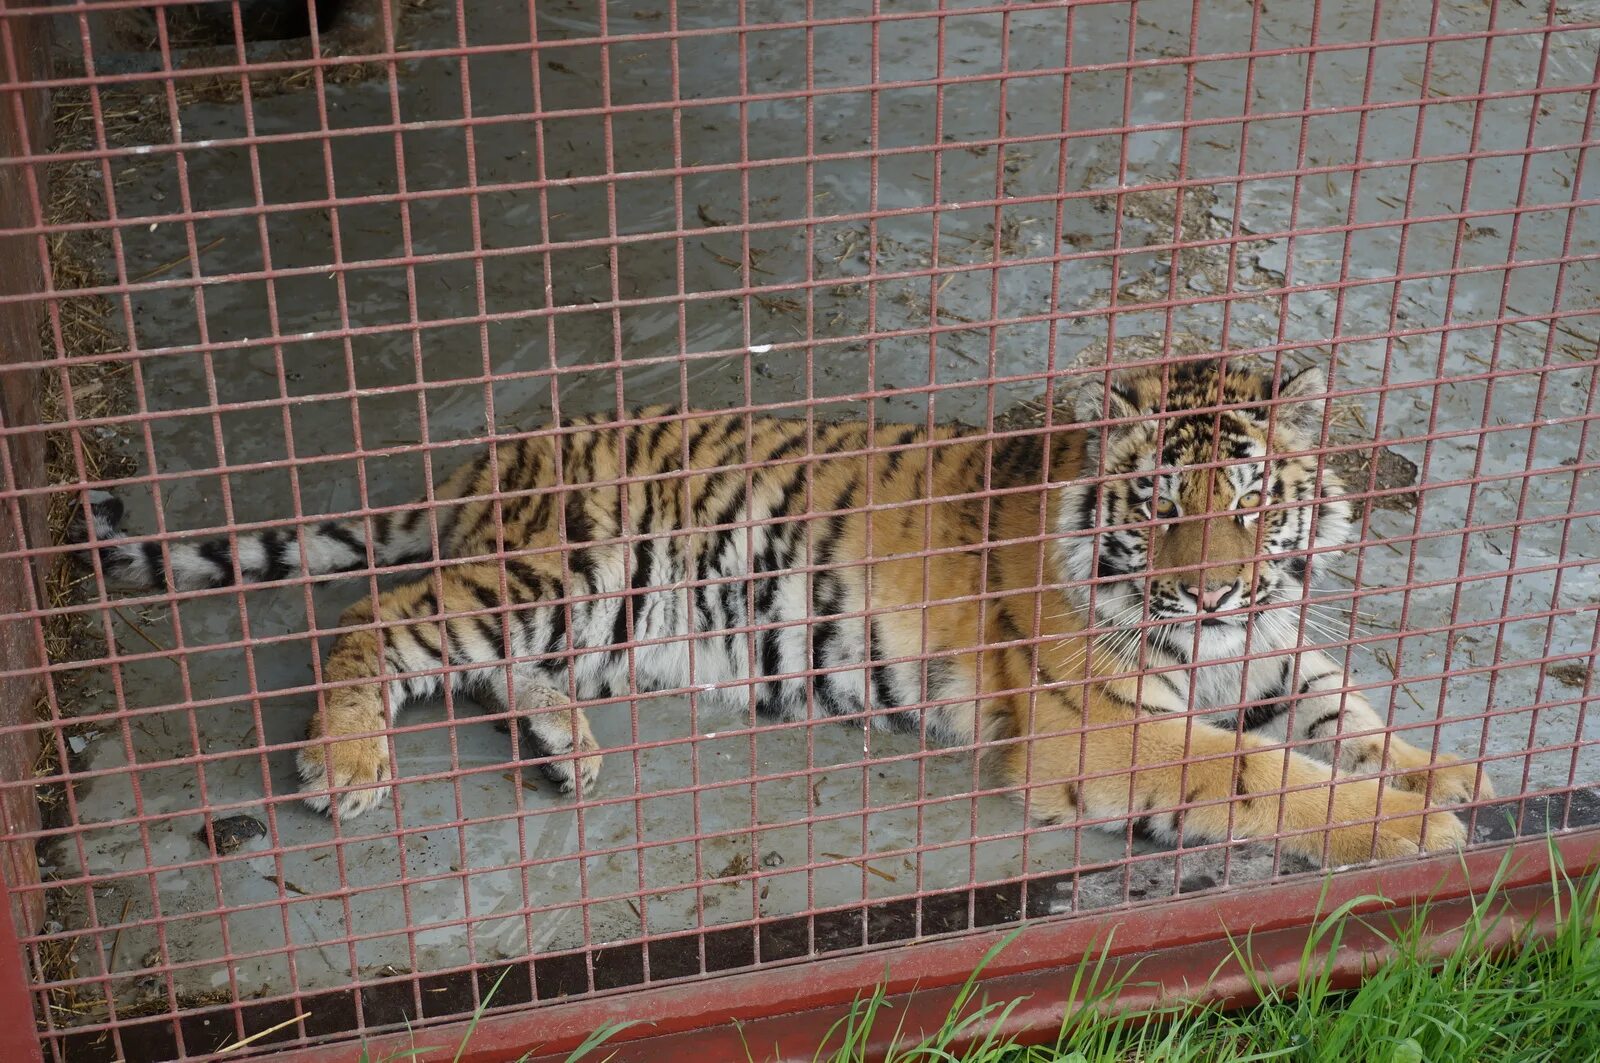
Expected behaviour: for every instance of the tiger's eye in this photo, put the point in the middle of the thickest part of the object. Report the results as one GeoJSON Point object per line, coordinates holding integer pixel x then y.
{"type": "Point", "coordinates": [1166, 508]}
{"type": "Point", "coordinates": [1249, 500]}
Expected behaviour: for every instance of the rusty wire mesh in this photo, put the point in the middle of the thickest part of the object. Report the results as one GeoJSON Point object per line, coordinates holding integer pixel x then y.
{"type": "Point", "coordinates": [297, 271]}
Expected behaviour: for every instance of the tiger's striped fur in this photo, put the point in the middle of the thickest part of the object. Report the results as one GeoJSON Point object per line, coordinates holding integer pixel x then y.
{"type": "Point", "coordinates": [762, 575]}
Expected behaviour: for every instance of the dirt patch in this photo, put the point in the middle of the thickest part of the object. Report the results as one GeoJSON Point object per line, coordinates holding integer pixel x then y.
{"type": "Point", "coordinates": [1571, 674]}
{"type": "Point", "coordinates": [1131, 350]}
{"type": "Point", "coordinates": [1379, 470]}
{"type": "Point", "coordinates": [1224, 262]}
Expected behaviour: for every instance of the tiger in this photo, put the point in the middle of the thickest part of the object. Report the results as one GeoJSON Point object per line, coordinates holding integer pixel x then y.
{"type": "Point", "coordinates": [1084, 605]}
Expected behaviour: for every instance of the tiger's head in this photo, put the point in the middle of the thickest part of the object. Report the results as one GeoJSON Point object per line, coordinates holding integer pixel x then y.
{"type": "Point", "coordinates": [1205, 503]}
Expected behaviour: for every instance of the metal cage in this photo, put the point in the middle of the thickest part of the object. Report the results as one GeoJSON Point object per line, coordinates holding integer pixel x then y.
{"type": "Point", "coordinates": [267, 264]}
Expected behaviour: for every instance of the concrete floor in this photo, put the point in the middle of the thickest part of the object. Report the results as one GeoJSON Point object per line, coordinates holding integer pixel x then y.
{"type": "Point", "coordinates": [1538, 411]}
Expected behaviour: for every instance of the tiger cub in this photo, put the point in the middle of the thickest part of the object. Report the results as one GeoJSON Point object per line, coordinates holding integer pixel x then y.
{"type": "Point", "coordinates": [1075, 588]}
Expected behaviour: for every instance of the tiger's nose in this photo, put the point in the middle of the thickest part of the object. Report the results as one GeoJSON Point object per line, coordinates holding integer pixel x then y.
{"type": "Point", "coordinates": [1211, 598]}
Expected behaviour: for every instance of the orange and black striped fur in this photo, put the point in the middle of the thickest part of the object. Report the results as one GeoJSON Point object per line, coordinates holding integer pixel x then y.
{"type": "Point", "coordinates": [766, 573]}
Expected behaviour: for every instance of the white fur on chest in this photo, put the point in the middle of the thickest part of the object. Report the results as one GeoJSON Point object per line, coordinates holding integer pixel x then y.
{"type": "Point", "coordinates": [1203, 686]}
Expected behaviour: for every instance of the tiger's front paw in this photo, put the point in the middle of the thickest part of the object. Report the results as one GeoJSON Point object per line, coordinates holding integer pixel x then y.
{"type": "Point", "coordinates": [353, 762]}
{"type": "Point", "coordinates": [1444, 779]}
{"type": "Point", "coordinates": [1407, 828]}
{"type": "Point", "coordinates": [1452, 783]}
{"type": "Point", "coordinates": [1431, 832]}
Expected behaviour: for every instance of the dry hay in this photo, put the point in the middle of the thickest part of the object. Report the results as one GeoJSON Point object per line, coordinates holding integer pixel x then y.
{"type": "Point", "coordinates": [82, 334]}
{"type": "Point", "coordinates": [77, 330]}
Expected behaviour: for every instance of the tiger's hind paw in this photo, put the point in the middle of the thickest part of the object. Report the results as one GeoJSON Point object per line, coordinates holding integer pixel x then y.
{"type": "Point", "coordinates": [556, 730]}
{"type": "Point", "coordinates": [588, 767]}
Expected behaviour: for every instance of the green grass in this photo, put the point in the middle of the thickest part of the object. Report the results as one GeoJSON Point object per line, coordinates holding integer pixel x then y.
{"type": "Point", "coordinates": [1538, 1001]}
{"type": "Point", "coordinates": [1533, 1003]}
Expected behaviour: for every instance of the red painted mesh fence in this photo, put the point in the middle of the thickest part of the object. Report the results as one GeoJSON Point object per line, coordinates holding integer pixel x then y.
{"type": "Point", "coordinates": [296, 264]}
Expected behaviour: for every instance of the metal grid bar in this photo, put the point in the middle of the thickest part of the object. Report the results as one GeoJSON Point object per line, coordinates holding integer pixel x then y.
{"type": "Point", "coordinates": [475, 221]}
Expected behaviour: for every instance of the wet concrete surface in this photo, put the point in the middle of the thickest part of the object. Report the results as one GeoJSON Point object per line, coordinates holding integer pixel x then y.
{"type": "Point", "coordinates": [494, 865]}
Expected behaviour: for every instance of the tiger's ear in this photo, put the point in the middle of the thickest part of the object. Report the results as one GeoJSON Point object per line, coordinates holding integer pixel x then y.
{"type": "Point", "coordinates": [1097, 401]}
{"type": "Point", "coordinates": [1304, 400]}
